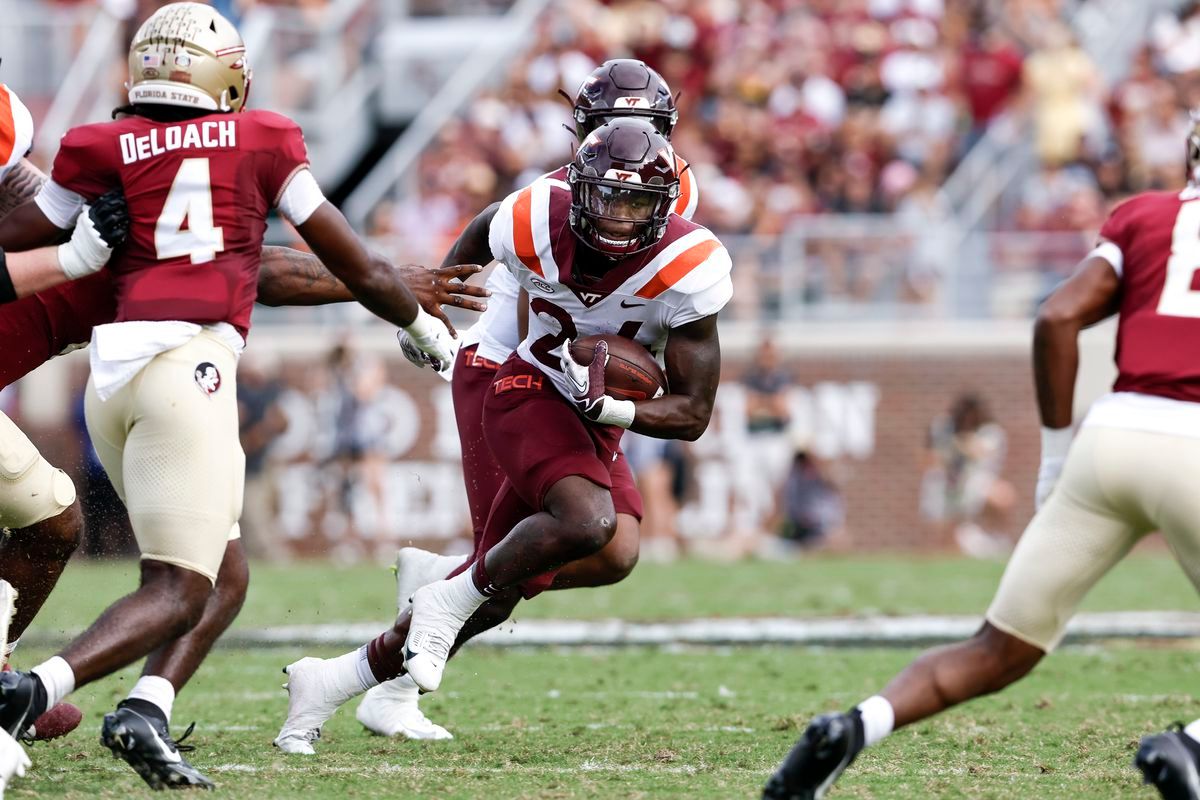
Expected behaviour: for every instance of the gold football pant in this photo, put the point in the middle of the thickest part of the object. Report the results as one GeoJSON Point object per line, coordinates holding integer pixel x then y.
{"type": "Point", "coordinates": [1117, 486]}
{"type": "Point", "coordinates": [168, 440]}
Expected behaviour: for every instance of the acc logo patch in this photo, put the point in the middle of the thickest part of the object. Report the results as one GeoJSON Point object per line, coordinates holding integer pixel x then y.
{"type": "Point", "coordinates": [208, 377]}
{"type": "Point", "coordinates": [541, 284]}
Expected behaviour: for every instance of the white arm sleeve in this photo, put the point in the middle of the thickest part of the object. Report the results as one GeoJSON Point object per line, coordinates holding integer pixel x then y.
{"type": "Point", "coordinates": [1111, 253]}
{"type": "Point", "coordinates": [300, 198]}
{"type": "Point", "coordinates": [61, 206]}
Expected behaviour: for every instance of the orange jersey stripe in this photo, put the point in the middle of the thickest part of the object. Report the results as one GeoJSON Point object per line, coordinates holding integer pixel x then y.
{"type": "Point", "coordinates": [8, 126]}
{"type": "Point", "coordinates": [685, 186]}
{"type": "Point", "coordinates": [680, 266]}
{"type": "Point", "coordinates": [523, 231]}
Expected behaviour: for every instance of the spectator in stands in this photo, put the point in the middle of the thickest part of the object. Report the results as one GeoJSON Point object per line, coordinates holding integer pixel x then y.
{"type": "Point", "coordinates": [811, 510]}
{"type": "Point", "coordinates": [261, 423]}
{"type": "Point", "coordinates": [962, 489]}
{"type": "Point", "coordinates": [1064, 90]}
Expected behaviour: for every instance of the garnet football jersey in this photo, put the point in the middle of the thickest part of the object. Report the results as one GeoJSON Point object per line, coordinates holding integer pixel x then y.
{"type": "Point", "coordinates": [199, 192]}
{"type": "Point", "coordinates": [496, 329]}
{"type": "Point", "coordinates": [1158, 333]}
{"type": "Point", "coordinates": [684, 277]}
{"type": "Point", "coordinates": [34, 329]}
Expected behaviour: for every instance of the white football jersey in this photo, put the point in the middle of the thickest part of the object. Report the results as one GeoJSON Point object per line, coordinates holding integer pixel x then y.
{"type": "Point", "coordinates": [495, 332]}
{"type": "Point", "coordinates": [16, 130]}
{"type": "Point", "coordinates": [684, 277]}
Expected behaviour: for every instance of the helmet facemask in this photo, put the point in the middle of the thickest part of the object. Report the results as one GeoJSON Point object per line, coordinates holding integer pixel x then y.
{"type": "Point", "coordinates": [619, 217]}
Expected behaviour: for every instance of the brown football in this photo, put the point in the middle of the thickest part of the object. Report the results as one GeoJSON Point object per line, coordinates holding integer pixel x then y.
{"type": "Point", "coordinates": [631, 374]}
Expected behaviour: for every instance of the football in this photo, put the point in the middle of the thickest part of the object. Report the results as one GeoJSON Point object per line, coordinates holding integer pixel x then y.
{"type": "Point", "coordinates": [631, 374]}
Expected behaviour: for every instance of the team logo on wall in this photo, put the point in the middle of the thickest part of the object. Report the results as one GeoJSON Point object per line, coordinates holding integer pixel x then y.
{"type": "Point", "coordinates": [208, 377]}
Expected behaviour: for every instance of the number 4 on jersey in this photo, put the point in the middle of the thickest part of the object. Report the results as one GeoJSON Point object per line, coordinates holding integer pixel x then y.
{"type": "Point", "coordinates": [1178, 299]}
{"type": "Point", "coordinates": [189, 202]}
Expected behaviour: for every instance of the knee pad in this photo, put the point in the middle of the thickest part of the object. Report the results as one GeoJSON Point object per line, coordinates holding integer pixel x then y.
{"type": "Point", "coordinates": [38, 493]}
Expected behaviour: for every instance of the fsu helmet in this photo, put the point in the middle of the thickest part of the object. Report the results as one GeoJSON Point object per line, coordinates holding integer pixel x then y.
{"type": "Point", "coordinates": [186, 54]}
{"type": "Point", "coordinates": [623, 184]}
{"type": "Point", "coordinates": [624, 87]}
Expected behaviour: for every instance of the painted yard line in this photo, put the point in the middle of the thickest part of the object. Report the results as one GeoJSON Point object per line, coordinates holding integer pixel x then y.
{"type": "Point", "coordinates": [849, 631]}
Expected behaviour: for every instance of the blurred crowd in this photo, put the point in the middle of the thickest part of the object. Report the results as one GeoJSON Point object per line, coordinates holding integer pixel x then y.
{"type": "Point", "coordinates": [788, 109]}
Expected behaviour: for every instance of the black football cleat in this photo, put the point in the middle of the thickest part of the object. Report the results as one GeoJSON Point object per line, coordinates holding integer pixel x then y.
{"type": "Point", "coordinates": [1169, 761]}
{"type": "Point", "coordinates": [19, 701]}
{"type": "Point", "coordinates": [828, 746]}
{"type": "Point", "coordinates": [145, 744]}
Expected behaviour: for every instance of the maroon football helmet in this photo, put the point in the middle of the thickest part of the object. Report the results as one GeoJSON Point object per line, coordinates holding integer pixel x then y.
{"type": "Point", "coordinates": [623, 184]}
{"type": "Point", "coordinates": [624, 87]}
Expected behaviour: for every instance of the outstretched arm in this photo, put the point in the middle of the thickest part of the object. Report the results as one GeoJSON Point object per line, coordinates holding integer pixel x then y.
{"type": "Point", "coordinates": [290, 277]}
{"type": "Point", "coordinates": [369, 277]}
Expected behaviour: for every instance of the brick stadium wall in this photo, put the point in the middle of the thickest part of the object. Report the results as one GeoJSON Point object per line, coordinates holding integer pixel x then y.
{"type": "Point", "coordinates": [864, 406]}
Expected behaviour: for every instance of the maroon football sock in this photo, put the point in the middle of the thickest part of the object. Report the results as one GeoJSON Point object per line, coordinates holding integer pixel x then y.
{"type": "Point", "coordinates": [385, 660]}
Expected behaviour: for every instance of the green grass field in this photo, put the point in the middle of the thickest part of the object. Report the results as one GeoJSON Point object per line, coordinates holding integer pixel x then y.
{"type": "Point", "coordinates": [672, 722]}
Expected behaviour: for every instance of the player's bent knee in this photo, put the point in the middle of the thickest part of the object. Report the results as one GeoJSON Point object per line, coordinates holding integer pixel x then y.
{"type": "Point", "coordinates": [65, 531]}
{"type": "Point", "coordinates": [1009, 658]}
{"type": "Point", "coordinates": [34, 494]}
{"type": "Point", "coordinates": [619, 558]}
{"type": "Point", "coordinates": [182, 593]}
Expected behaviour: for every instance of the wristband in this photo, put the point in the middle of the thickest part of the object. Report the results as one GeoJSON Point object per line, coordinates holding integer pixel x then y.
{"type": "Point", "coordinates": [422, 327]}
{"type": "Point", "coordinates": [1056, 442]}
{"type": "Point", "coordinates": [617, 412]}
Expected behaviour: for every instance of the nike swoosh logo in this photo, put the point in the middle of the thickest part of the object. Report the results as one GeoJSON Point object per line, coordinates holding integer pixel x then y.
{"type": "Point", "coordinates": [627, 304]}
{"type": "Point", "coordinates": [581, 386]}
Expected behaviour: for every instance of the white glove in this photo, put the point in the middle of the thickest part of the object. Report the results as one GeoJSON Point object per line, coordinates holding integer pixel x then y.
{"type": "Point", "coordinates": [86, 252]}
{"type": "Point", "coordinates": [1056, 442]}
{"type": "Point", "coordinates": [100, 226]}
{"type": "Point", "coordinates": [419, 358]}
{"type": "Point", "coordinates": [429, 336]}
{"type": "Point", "coordinates": [587, 388]}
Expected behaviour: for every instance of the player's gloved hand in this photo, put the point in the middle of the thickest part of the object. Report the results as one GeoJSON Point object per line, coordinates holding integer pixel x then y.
{"type": "Point", "coordinates": [429, 337]}
{"type": "Point", "coordinates": [586, 382]}
{"type": "Point", "coordinates": [100, 227]}
{"type": "Point", "coordinates": [1055, 444]}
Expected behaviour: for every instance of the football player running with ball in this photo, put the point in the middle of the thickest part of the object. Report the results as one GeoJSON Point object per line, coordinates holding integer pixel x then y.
{"type": "Point", "coordinates": [619, 88]}
{"type": "Point", "coordinates": [200, 175]}
{"type": "Point", "coordinates": [600, 253]}
{"type": "Point", "coordinates": [1130, 470]}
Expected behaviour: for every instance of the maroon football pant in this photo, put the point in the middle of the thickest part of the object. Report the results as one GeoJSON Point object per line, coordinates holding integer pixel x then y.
{"type": "Point", "coordinates": [537, 438]}
{"type": "Point", "coordinates": [482, 475]}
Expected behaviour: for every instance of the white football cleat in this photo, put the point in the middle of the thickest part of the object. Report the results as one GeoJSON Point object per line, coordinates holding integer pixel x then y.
{"type": "Point", "coordinates": [434, 627]}
{"type": "Point", "coordinates": [313, 697]}
{"type": "Point", "coordinates": [13, 761]}
{"type": "Point", "coordinates": [8, 608]}
{"type": "Point", "coordinates": [416, 568]}
{"type": "Point", "coordinates": [391, 709]}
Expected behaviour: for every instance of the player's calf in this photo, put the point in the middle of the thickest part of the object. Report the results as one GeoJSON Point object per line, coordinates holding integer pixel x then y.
{"type": "Point", "coordinates": [33, 558]}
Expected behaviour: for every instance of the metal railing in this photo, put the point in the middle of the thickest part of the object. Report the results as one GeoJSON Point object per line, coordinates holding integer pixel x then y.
{"type": "Point", "coordinates": [508, 33]}
{"type": "Point", "coordinates": [845, 269]}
